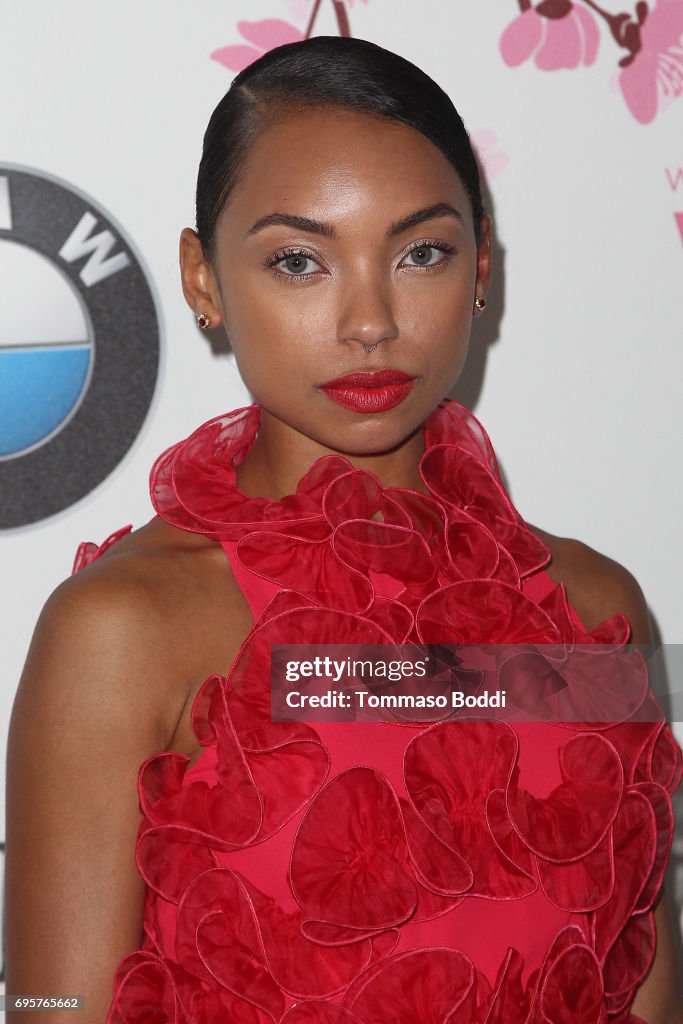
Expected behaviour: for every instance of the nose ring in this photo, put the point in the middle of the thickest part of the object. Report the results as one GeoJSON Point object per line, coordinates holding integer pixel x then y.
{"type": "Point", "coordinates": [370, 348]}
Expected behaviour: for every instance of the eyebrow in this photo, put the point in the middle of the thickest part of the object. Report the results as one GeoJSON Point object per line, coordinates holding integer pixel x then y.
{"type": "Point", "coordinates": [317, 227]}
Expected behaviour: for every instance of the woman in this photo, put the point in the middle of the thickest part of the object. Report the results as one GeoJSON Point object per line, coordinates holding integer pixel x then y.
{"type": "Point", "coordinates": [331, 872]}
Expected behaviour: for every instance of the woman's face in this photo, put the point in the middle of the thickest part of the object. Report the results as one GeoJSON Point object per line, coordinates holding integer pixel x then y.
{"type": "Point", "coordinates": [347, 246]}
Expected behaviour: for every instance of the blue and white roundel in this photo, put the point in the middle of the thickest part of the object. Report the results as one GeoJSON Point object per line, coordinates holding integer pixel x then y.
{"type": "Point", "coordinates": [79, 344]}
{"type": "Point", "coordinates": [46, 354]}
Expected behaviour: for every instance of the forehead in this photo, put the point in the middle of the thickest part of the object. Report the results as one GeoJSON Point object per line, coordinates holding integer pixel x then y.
{"type": "Point", "coordinates": [338, 162]}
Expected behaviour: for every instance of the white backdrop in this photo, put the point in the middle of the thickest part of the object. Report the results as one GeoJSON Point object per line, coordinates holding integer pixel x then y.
{"type": "Point", "coordinates": [575, 368]}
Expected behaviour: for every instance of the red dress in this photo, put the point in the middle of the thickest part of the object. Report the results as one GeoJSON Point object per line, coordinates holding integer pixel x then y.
{"type": "Point", "coordinates": [378, 872]}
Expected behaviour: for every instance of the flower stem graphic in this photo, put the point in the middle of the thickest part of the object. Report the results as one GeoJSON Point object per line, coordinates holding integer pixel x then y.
{"type": "Point", "coordinates": [311, 20]}
{"type": "Point", "coordinates": [625, 28]}
{"type": "Point", "coordinates": [342, 18]}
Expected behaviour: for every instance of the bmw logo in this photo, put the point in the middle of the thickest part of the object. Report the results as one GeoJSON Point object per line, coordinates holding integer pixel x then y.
{"type": "Point", "coordinates": [79, 345]}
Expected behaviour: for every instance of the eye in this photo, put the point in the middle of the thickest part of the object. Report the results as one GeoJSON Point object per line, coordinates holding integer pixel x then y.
{"type": "Point", "coordinates": [292, 263]}
{"type": "Point", "coordinates": [428, 254]}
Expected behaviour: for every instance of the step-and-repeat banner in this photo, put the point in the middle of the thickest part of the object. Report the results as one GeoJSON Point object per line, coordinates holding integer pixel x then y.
{"type": "Point", "coordinates": [575, 369]}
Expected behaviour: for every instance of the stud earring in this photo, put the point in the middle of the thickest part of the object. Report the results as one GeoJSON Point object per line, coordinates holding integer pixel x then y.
{"type": "Point", "coordinates": [203, 320]}
{"type": "Point", "coordinates": [480, 303]}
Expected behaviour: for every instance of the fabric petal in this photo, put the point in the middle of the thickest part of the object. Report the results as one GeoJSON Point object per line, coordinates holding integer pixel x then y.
{"type": "Point", "coordinates": [317, 1011]}
{"type": "Point", "coordinates": [449, 771]}
{"type": "Point", "coordinates": [572, 991]}
{"type": "Point", "coordinates": [301, 968]}
{"type": "Point", "coordinates": [634, 837]}
{"type": "Point", "coordinates": [483, 612]}
{"type": "Point", "coordinates": [580, 885]}
{"type": "Point", "coordinates": [143, 985]}
{"type": "Point", "coordinates": [630, 957]}
{"type": "Point", "coordinates": [310, 569]}
{"type": "Point", "coordinates": [171, 858]}
{"type": "Point", "coordinates": [582, 688]}
{"type": "Point", "coordinates": [218, 938]}
{"type": "Point", "coordinates": [662, 760]}
{"type": "Point", "coordinates": [570, 937]}
{"type": "Point", "coordinates": [423, 986]}
{"type": "Point", "coordinates": [437, 866]}
{"type": "Point", "coordinates": [349, 856]}
{"type": "Point", "coordinates": [575, 817]}
{"type": "Point", "coordinates": [509, 1001]}
{"type": "Point", "coordinates": [660, 803]}
{"type": "Point", "coordinates": [87, 552]}
{"type": "Point", "coordinates": [361, 544]}
{"type": "Point", "coordinates": [503, 832]}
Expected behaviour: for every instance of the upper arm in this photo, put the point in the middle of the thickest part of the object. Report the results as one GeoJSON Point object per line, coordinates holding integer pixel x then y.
{"type": "Point", "coordinates": [89, 709]}
{"type": "Point", "coordinates": [657, 1000]}
{"type": "Point", "coordinates": [598, 587]}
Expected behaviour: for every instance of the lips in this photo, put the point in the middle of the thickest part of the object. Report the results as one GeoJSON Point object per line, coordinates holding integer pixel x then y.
{"type": "Point", "coordinates": [369, 391]}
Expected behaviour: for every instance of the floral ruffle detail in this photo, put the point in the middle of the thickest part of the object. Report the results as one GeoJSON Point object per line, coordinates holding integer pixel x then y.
{"type": "Point", "coordinates": [459, 552]}
{"type": "Point", "coordinates": [87, 552]}
{"type": "Point", "coordinates": [375, 848]}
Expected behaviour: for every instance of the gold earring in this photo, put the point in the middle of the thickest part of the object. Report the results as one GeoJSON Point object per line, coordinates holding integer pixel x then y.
{"type": "Point", "coordinates": [203, 320]}
{"type": "Point", "coordinates": [480, 303]}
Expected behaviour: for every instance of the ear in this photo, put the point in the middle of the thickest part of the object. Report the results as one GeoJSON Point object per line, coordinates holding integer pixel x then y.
{"type": "Point", "coordinates": [484, 257]}
{"type": "Point", "coordinates": [198, 279]}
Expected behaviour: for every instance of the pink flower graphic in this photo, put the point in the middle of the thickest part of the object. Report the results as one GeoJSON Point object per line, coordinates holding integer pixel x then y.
{"type": "Point", "coordinates": [492, 159]}
{"type": "Point", "coordinates": [557, 34]}
{"type": "Point", "coordinates": [679, 223]}
{"type": "Point", "coordinates": [299, 9]}
{"type": "Point", "coordinates": [263, 35]}
{"type": "Point", "coordinates": [655, 77]}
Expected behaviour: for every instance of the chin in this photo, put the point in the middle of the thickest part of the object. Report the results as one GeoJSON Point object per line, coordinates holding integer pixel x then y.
{"type": "Point", "coordinates": [372, 435]}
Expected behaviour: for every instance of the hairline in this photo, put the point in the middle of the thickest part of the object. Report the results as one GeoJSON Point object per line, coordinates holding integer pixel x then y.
{"type": "Point", "coordinates": [261, 98]}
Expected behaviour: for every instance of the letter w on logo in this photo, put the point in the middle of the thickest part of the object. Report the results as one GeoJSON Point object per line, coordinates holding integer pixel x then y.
{"type": "Point", "coordinates": [81, 242]}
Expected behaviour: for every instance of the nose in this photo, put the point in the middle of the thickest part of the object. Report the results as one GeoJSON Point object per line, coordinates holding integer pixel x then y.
{"type": "Point", "coordinates": [366, 314]}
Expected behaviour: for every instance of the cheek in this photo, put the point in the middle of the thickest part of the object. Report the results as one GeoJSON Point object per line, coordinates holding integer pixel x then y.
{"type": "Point", "coordinates": [277, 331]}
{"type": "Point", "coordinates": [256, 310]}
{"type": "Point", "coordinates": [438, 315]}
{"type": "Point", "coordinates": [270, 338]}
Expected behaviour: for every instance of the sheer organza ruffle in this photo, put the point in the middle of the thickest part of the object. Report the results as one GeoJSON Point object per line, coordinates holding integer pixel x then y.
{"type": "Point", "coordinates": [349, 561]}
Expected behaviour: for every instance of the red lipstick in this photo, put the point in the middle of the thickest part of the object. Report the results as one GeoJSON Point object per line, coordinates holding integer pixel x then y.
{"type": "Point", "coordinates": [367, 391]}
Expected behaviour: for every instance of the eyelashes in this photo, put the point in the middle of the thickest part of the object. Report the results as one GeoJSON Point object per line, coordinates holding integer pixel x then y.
{"type": "Point", "coordinates": [298, 253]}
{"type": "Point", "coordinates": [279, 257]}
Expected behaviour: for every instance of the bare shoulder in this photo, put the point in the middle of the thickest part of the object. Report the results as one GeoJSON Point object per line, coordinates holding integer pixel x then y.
{"type": "Point", "coordinates": [117, 653]}
{"type": "Point", "coordinates": [151, 618]}
{"type": "Point", "coordinates": [597, 586]}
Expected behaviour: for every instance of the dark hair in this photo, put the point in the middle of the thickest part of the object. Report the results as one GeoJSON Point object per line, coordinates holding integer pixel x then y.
{"type": "Point", "coordinates": [326, 70]}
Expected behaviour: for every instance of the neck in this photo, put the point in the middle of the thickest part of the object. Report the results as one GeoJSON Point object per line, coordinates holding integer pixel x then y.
{"type": "Point", "coordinates": [280, 457]}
